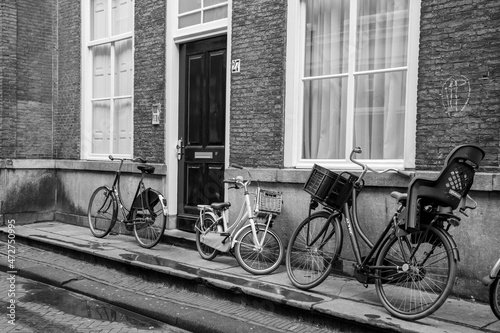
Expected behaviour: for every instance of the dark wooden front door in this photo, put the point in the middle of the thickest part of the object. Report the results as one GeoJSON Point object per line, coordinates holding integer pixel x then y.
{"type": "Point", "coordinates": [202, 121]}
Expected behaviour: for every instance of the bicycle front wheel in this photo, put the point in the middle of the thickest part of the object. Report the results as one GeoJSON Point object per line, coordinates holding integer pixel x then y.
{"type": "Point", "coordinates": [149, 220]}
{"type": "Point", "coordinates": [495, 296]}
{"type": "Point", "coordinates": [202, 228]}
{"type": "Point", "coordinates": [313, 248]}
{"type": "Point", "coordinates": [259, 260]}
{"type": "Point", "coordinates": [102, 212]}
{"type": "Point", "coordinates": [419, 273]}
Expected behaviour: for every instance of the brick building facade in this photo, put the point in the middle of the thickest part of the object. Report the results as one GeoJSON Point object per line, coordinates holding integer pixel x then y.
{"type": "Point", "coordinates": [41, 83]}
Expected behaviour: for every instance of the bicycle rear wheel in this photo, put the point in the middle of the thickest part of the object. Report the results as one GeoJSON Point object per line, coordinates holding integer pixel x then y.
{"type": "Point", "coordinates": [420, 273]}
{"type": "Point", "coordinates": [149, 220]}
{"type": "Point", "coordinates": [202, 227]}
{"type": "Point", "coordinates": [102, 212]}
{"type": "Point", "coordinates": [495, 296]}
{"type": "Point", "coordinates": [313, 248]}
{"type": "Point", "coordinates": [255, 260]}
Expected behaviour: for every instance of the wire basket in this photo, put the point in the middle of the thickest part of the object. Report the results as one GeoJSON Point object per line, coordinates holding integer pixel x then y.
{"type": "Point", "coordinates": [269, 201]}
{"type": "Point", "coordinates": [328, 187]}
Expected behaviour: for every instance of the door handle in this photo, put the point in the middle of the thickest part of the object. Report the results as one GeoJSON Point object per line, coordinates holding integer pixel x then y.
{"type": "Point", "coordinates": [180, 149]}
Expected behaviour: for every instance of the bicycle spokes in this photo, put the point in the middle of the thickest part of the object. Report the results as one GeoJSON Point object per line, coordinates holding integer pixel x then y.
{"type": "Point", "coordinates": [416, 274]}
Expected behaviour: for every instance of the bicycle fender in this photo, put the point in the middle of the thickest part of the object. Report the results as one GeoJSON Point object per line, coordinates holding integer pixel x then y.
{"type": "Point", "coordinates": [162, 199]}
{"type": "Point", "coordinates": [148, 196]}
{"type": "Point", "coordinates": [488, 279]}
{"type": "Point", "coordinates": [113, 194]}
{"type": "Point", "coordinates": [257, 226]}
{"type": "Point", "coordinates": [454, 248]}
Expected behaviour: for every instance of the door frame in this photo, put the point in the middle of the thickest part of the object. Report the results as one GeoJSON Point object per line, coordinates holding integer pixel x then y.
{"type": "Point", "coordinates": [171, 108]}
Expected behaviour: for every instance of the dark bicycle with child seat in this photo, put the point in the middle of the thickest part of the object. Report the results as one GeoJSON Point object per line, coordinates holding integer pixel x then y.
{"type": "Point", "coordinates": [147, 214]}
{"type": "Point", "coordinates": [413, 263]}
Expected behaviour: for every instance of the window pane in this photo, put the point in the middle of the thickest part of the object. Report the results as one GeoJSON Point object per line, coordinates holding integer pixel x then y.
{"type": "Point", "coordinates": [100, 127]}
{"type": "Point", "coordinates": [207, 3]}
{"type": "Point", "coordinates": [124, 67]}
{"type": "Point", "coordinates": [325, 118]}
{"type": "Point", "coordinates": [382, 38]}
{"type": "Point", "coordinates": [379, 115]}
{"type": "Point", "coordinates": [188, 5]}
{"type": "Point", "coordinates": [189, 20]}
{"type": "Point", "coordinates": [122, 16]}
{"type": "Point", "coordinates": [99, 19]}
{"type": "Point", "coordinates": [214, 14]}
{"type": "Point", "coordinates": [327, 37]}
{"type": "Point", "coordinates": [122, 136]}
{"type": "Point", "coordinates": [101, 71]}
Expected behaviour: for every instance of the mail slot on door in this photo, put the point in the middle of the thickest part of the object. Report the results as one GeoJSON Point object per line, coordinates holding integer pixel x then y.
{"type": "Point", "coordinates": [206, 155]}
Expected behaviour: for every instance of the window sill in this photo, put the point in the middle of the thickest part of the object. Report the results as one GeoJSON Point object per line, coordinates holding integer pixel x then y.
{"type": "Point", "coordinates": [482, 181]}
{"type": "Point", "coordinates": [79, 165]}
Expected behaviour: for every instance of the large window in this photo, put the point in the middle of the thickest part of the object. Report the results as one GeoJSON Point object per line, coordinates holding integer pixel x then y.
{"type": "Point", "coordinates": [108, 78]}
{"type": "Point", "coordinates": [354, 85]}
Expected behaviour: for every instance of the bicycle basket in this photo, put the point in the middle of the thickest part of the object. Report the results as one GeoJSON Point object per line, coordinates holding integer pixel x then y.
{"type": "Point", "coordinates": [269, 201]}
{"type": "Point", "coordinates": [328, 187]}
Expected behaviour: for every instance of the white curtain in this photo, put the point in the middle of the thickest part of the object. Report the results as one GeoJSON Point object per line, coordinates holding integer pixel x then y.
{"type": "Point", "coordinates": [379, 98]}
{"type": "Point", "coordinates": [112, 110]}
{"type": "Point", "coordinates": [325, 104]}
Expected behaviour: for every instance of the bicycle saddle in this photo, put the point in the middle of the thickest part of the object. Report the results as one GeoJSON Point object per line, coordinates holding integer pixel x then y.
{"type": "Point", "coordinates": [145, 168]}
{"type": "Point", "coordinates": [220, 205]}
{"type": "Point", "coordinates": [452, 184]}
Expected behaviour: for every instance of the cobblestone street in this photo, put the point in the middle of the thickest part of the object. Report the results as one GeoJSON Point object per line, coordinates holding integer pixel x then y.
{"type": "Point", "coordinates": [75, 313]}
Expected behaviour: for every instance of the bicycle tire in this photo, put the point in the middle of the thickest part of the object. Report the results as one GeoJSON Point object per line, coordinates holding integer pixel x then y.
{"type": "Point", "coordinates": [494, 293]}
{"type": "Point", "coordinates": [102, 212]}
{"type": "Point", "coordinates": [205, 251]}
{"type": "Point", "coordinates": [149, 220]}
{"type": "Point", "coordinates": [423, 281]}
{"type": "Point", "coordinates": [308, 265]}
{"type": "Point", "coordinates": [259, 261]}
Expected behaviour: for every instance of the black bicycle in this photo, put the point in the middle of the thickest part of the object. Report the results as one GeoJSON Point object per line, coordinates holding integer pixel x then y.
{"type": "Point", "coordinates": [146, 217]}
{"type": "Point", "coordinates": [413, 263]}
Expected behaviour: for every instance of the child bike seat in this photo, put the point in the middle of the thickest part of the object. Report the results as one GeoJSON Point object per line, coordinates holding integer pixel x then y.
{"type": "Point", "coordinates": [448, 189]}
{"type": "Point", "coordinates": [145, 168]}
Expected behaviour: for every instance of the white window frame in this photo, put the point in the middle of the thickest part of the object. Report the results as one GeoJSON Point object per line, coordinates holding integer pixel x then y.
{"type": "Point", "coordinates": [198, 31]}
{"type": "Point", "coordinates": [86, 96]}
{"type": "Point", "coordinates": [294, 94]}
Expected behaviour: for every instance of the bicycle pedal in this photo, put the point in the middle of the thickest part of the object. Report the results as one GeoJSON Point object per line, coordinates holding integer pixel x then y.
{"type": "Point", "coordinates": [226, 234]}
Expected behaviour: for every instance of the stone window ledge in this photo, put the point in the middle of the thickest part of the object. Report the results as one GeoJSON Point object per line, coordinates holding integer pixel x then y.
{"type": "Point", "coordinates": [482, 181]}
{"type": "Point", "coordinates": [77, 165]}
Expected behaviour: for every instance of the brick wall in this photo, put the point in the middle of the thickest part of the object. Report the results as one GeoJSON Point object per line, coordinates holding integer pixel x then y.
{"type": "Point", "coordinates": [26, 59]}
{"type": "Point", "coordinates": [67, 109]}
{"type": "Point", "coordinates": [8, 78]}
{"type": "Point", "coordinates": [149, 78]}
{"type": "Point", "coordinates": [35, 47]}
{"type": "Point", "coordinates": [459, 50]}
{"type": "Point", "coordinates": [257, 92]}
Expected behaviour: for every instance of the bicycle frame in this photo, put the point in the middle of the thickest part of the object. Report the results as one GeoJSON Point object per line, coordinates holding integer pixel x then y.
{"type": "Point", "coordinates": [246, 213]}
{"type": "Point", "coordinates": [141, 188]}
{"type": "Point", "coordinates": [354, 229]}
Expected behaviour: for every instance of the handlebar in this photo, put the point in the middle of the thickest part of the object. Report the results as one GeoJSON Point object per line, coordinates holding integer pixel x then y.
{"type": "Point", "coordinates": [136, 160]}
{"type": "Point", "coordinates": [365, 167]}
{"type": "Point", "coordinates": [239, 181]}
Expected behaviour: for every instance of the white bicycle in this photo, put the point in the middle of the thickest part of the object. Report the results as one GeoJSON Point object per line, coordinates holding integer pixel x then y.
{"type": "Point", "coordinates": [257, 248]}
